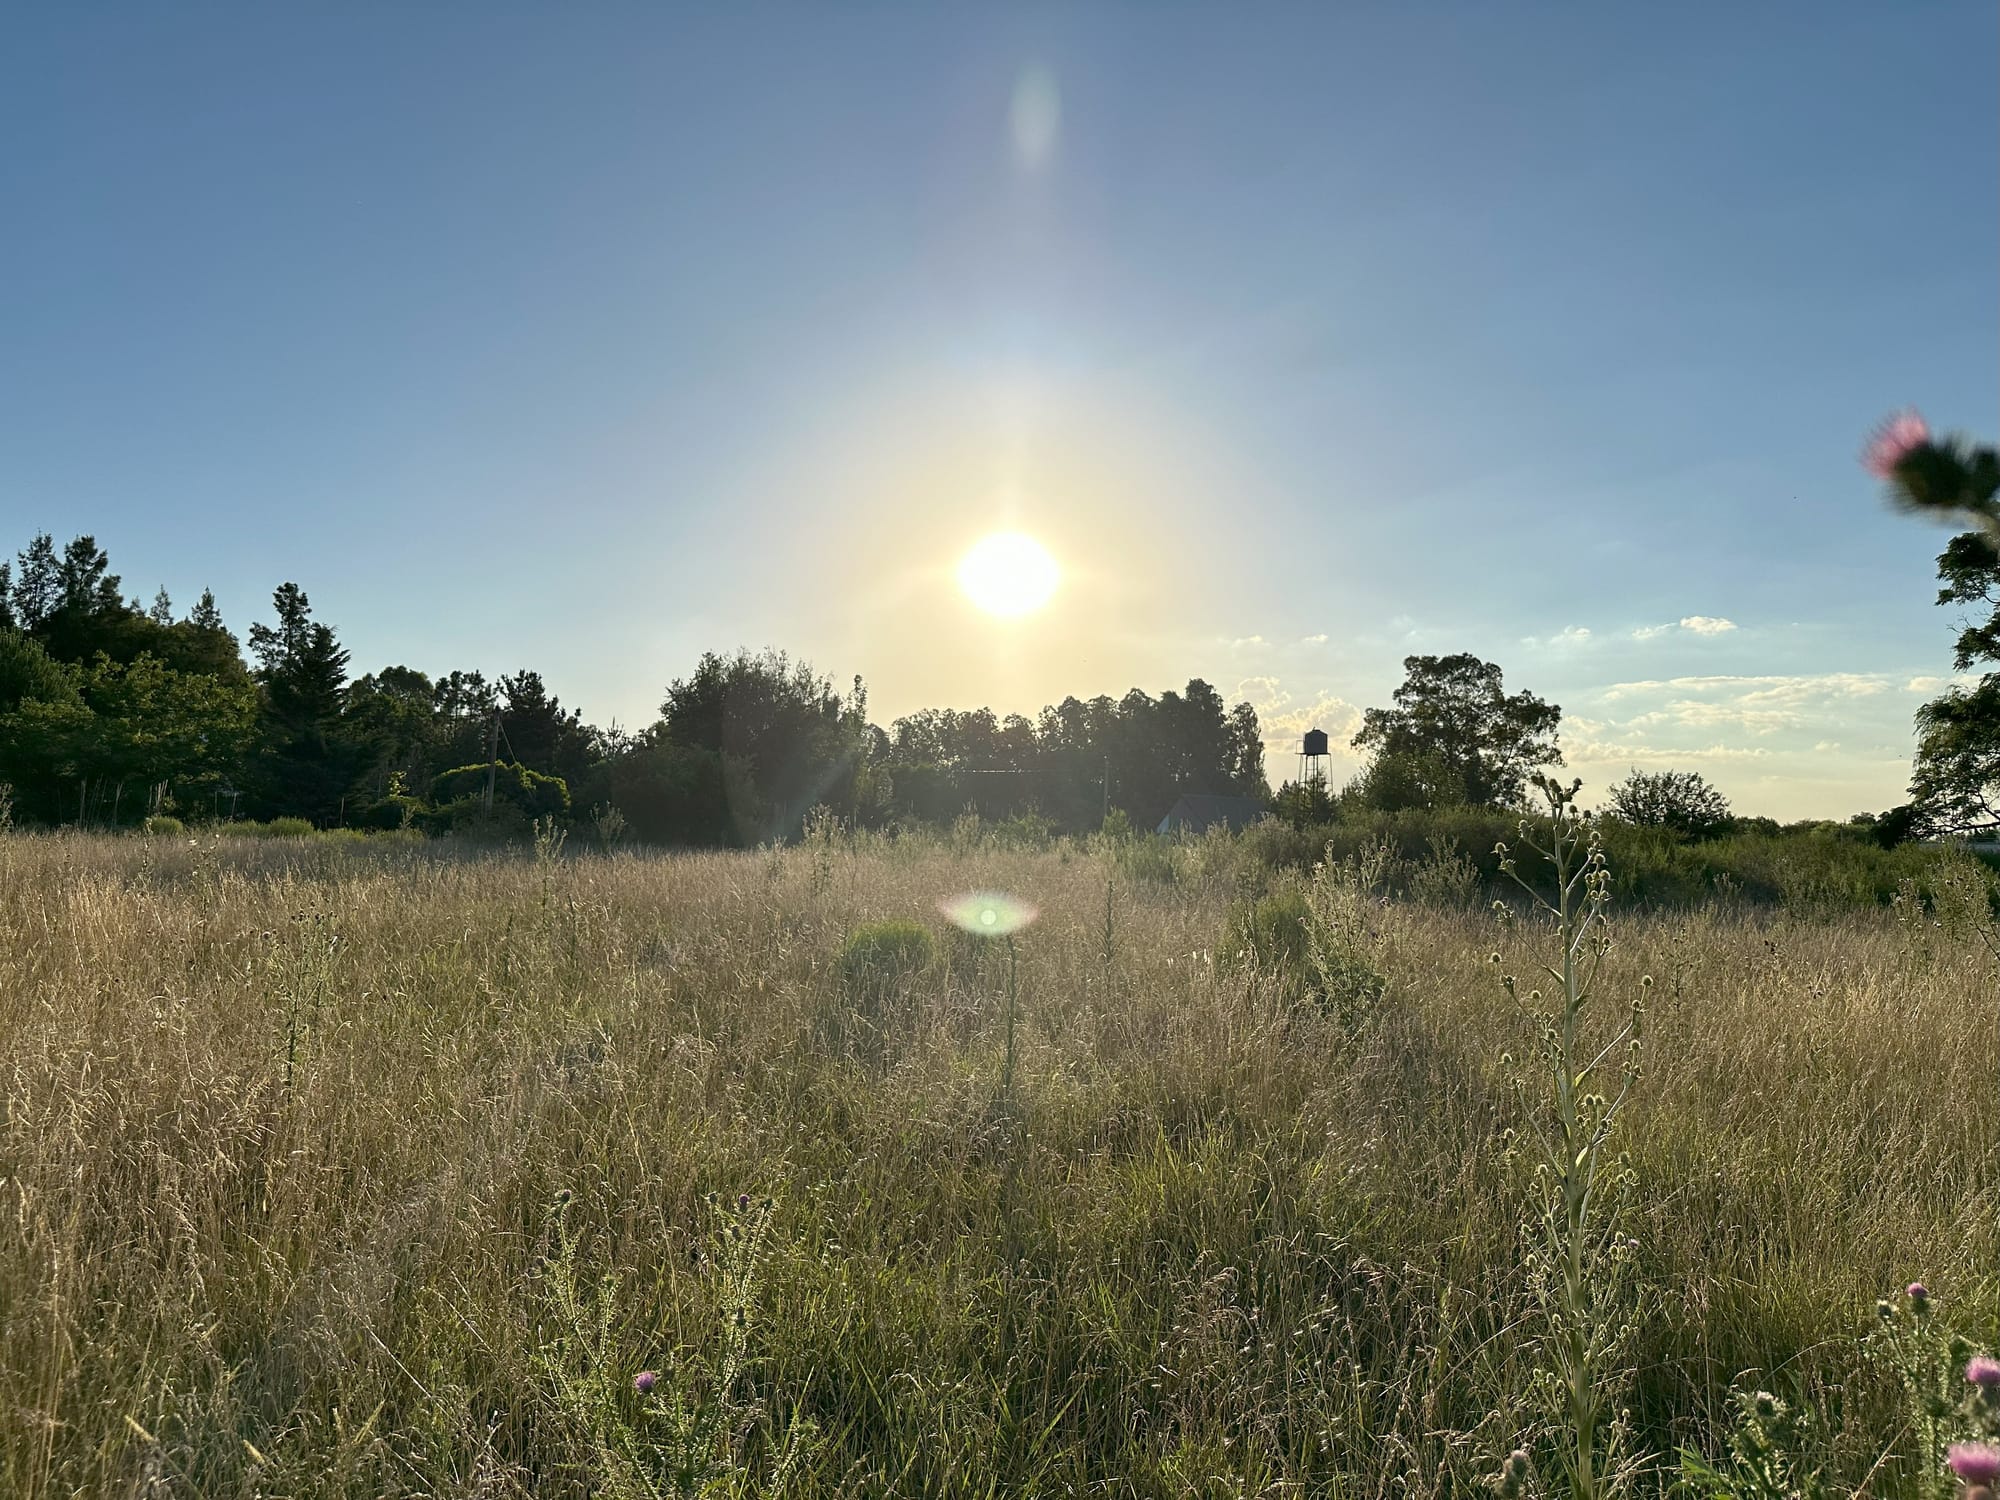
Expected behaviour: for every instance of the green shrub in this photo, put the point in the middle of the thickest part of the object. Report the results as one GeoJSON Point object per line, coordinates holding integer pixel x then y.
{"type": "Point", "coordinates": [536, 795]}
{"type": "Point", "coordinates": [873, 965]}
{"type": "Point", "coordinates": [165, 825]}
{"type": "Point", "coordinates": [397, 810]}
{"type": "Point", "coordinates": [1312, 938]}
{"type": "Point", "coordinates": [878, 955]}
{"type": "Point", "coordinates": [1272, 933]}
{"type": "Point", "coordinates": [1148, 859]}
{"type": "Point", "coordinates": [286, 828]}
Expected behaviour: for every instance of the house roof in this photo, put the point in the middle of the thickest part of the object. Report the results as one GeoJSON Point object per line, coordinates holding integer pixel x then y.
{"type": "Point", "coordinates": [1199, 811]}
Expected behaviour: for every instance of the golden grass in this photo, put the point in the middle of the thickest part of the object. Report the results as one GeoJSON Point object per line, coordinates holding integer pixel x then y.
{"type": "Point", "coordinates": [283, 1121]}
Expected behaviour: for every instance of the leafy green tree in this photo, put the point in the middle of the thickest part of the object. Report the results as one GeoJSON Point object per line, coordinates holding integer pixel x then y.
{"type": "Point", "coordinates": [1406, 780]}
{"type": "Point", "coordinates": [46, 730]}
{"type": "Point", "coordinates": [160, 731]}
{"type": "Point", "coordinates": [392, 715]}
{"type": "Point", "coordinates": [1955, 776]}
{"type": "Point", "coordinates": [1305, 804]}
{"type": "Point", "coordinates": [1455, 708]}
{"type": "Point", "coordinates": [1680, 801]}
{"type": "Point", "coordinates": [798, 742]}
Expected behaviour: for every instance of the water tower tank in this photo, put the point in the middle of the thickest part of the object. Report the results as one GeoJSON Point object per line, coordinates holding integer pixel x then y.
{"type": "Point", "coordinates": [1315, 742]}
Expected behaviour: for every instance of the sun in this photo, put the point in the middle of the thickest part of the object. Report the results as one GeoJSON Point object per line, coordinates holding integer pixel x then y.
{"type": "Point", "coordinates": [1008, 574]}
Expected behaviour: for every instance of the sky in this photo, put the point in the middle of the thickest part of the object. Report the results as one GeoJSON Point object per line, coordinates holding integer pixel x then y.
{"type": "Point", "coordinates": [589, 338]}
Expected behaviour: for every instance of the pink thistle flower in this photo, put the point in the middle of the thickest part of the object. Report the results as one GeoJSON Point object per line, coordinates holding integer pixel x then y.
{"type": "Point", "coordinates": [1983, 1370]}
{"type": "Point", "coordinates": [644, 1382]}
{"type": "Point", "coordinates": [1975, 1463]}
{"type": "Point", "coordinates": [1891, 443]}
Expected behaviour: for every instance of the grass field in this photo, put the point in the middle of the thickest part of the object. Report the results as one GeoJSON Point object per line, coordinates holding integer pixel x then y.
{"type": "Point", "coordinates": [316, 1157]}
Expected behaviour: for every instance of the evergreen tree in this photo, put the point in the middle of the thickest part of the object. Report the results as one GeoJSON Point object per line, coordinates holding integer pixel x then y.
{"type": "Point", "coordinates": [308, 765]}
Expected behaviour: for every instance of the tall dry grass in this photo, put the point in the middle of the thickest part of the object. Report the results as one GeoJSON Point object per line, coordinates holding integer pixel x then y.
{"type": "Point", "coordinates": [283, 1123]}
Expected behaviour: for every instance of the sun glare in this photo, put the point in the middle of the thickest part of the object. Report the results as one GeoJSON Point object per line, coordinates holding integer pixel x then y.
{"type": "Point", "coordinates": [1008, 574]}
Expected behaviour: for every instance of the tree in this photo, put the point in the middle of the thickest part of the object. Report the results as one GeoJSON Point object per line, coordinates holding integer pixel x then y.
{"type": "Point", "coordinates": [1406, 781]}
{"type": "Point", "coordinates": [308, 765]}
{"type": "Point", "coordinates": [161, 730]}
{"type": "Point", "coordinates": [1679, 801]}
{"type": "Point", "coordinates": [799, 744]}
{"type": "Point", "coordinates": [1455, 708]}
{"type": "Point", "coordinates": [1304, 804]}
{"type": "Point", "coordinates": [37, 587]}
{"type": "Point", "coordinates": [540, 732]}
{"type": "Point", "coordinates": [1955, 777]}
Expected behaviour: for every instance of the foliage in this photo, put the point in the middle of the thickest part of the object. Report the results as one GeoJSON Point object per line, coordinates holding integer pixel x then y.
{"type": "Point", "coordinates": [689, 1437]}
{"type": "Point", "coordinates": [1681, 801]}
{"type": "Point", "coordinates": [1454, 713]}
{"type": "Point", "coordinates": [878, 955]}
{"type": "Point", "coordinates": [1955, 777]}
{"type": "Point", "coordinates": [1304, 804]}
{"type": "Point", "coordinates": [514, 785]}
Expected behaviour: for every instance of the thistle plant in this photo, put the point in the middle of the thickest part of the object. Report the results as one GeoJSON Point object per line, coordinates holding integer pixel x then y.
{"type": "Point", "coordinates": [1580, 1259]}
{"type": "Point", "coordinates": [691, 1432]}
{"type": "Point", "coordinates": [1763, 1461]}
{"type": "Point", "coordinates": [1951, 1395]}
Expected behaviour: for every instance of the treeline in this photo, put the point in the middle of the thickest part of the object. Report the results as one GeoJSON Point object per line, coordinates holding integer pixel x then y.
{"type": "Point", "coordinates": [113, 712]}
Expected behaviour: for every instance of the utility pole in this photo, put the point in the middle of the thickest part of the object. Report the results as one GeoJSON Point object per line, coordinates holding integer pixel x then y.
{"type": "Point", "coordinates": [1107, 784]}
{"type": "Point", "coordinates": [492, 757]}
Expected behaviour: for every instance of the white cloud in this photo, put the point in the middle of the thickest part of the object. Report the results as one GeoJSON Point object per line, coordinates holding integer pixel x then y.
{"type": "Point", "coordinates": [1709, 625]}
{"type": "Point", "coordinates": [1768, 689]}
{"type": "Point", "coordinates": [1241, 641]}
{"type": "Point", "coordinates": [1569, 635]}
{"type": "Point", "coordinates": [1313, 640]}
{"type": "Point", "coordinates": [1281, 714]}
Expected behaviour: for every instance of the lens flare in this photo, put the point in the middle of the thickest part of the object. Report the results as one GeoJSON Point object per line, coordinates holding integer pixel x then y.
{"type": "Point", "coordinates": [990, 914]}
{"type": "Point", "coordinates": [1008, 574]}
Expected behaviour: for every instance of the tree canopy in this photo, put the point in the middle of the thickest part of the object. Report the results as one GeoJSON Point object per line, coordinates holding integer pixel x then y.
{"type": "Point", "coordinates": [1457, 735]}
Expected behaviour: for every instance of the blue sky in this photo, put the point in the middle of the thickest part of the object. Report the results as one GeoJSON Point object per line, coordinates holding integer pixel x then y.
{"type": "Point", "coordinates": [589, 337]}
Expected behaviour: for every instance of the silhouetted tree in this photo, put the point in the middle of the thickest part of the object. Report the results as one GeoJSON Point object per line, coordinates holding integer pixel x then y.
{"type": "Point", "coordinates": [1679, 801]}
{"type": "Point", "coordinates": [1955, 776]}
{"type": "Point", "coordinates": [308, 764]}
{"type": "Point", "coordinates": [798, 743]}
{"type": "Point", "coordinates": [1455, 708]}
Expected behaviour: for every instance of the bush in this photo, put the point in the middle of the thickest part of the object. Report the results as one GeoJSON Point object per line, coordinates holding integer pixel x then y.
{"type": "Point", "coordinates": [1147, 859]}
{"type": "Point", "coordinates": [878, 955]}
{"type": "Point", "coordinates": [285, 828]}
{"type": "Point", "coordinates": [165, 826]}
{"type": "Point", "coordinates": [1310, 938]}
{"type": "Point", "coordinates": [1273, 932]}
{"type": "Point", "coordinates": [877, 959]}
{"type": "Point", "coordinates": [535, 795]}
{"type": "Point", "coordinates": [397, 810]}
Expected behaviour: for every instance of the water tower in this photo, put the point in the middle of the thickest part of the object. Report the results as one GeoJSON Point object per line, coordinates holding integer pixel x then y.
{"type": "Point", "coordinates": [1312, 756]}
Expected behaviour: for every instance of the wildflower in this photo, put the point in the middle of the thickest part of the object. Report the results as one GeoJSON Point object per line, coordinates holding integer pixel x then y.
{"type": "Point", "coordinates": [1767, 1405]}
{"type": "Point", "coordinates": [644, 1382]}
{"type": "Point", "coordinates": [1893, 441]}
{"type": "Point", "coordinates": [1975, 1463]}
{"type": "Point", "coordinates": [1885, 1309]}
{"type": "Point", "coordinates": [1920, 1297]}
{"type": "Point", "coordinates": [743, 1203]}
{"type": "Point", "coordinates": [1983, 1370]}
